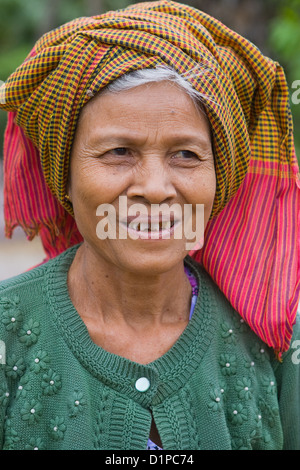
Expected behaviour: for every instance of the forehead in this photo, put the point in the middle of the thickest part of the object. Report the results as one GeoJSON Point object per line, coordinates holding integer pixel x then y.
{"type": "Point", "coordinates": [151, 106]}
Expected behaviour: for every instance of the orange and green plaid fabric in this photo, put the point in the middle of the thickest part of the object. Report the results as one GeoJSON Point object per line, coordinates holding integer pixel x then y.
{"type": "Point", "coordinates": [50, 88]}
{"type": "Point", "coordinates": [248, 108]}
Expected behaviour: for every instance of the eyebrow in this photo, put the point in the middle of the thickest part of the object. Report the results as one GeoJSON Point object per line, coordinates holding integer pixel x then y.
{"type": "Point", "coordinates": [123, 140]}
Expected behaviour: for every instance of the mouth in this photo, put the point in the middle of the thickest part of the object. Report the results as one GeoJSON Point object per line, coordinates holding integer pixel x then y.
{"type": "Point", "coordinates": [150, 228]}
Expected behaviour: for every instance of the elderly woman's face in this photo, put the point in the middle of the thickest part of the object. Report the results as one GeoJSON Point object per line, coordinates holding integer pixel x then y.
{"type": "Point", "coordinates": [152, 146]}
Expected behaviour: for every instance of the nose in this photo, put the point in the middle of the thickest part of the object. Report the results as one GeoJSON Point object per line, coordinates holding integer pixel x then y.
{"type": "Point", "coordinates": [152, 182]}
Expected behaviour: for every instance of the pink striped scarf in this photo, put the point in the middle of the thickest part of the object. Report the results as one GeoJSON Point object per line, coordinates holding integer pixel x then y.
{"type": "Point", "coordinates": [251, 251]}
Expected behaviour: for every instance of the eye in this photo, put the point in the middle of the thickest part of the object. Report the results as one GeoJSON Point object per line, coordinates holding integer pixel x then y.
{"type": "Point", "coordinates": [120, 151]}
{"type": "Point", "coordinates": [186, 154]}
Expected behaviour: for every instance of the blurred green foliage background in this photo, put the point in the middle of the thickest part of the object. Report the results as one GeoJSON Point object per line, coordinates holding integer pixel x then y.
{"type": "Point", "coordinates": [273, 25]}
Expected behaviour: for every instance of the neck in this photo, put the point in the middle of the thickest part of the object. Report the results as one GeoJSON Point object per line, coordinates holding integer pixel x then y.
{"type": "Point", "coordinates": [100, 290]}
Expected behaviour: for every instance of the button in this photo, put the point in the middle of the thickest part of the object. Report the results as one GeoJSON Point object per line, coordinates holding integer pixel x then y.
{"type": "Point", "coordinates": [142, 384]}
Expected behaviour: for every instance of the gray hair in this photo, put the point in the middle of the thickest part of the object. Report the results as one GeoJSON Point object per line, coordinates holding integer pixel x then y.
{"type": "Point", "coordinates": [160, 73]}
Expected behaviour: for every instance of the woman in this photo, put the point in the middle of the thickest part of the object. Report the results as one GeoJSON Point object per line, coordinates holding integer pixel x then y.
{"type": "Point", "coordinates": [122, 340]}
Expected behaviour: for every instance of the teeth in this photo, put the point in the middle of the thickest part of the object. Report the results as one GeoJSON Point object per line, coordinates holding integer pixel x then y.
{"type": "Point", "coordinates": [153, 227]}
{"type": "Point", "coordinates": [133, 225]}
{"type": "Point", "coordinates": [144, 227]}
{"type": "Point", "coordinates": [166, 225]}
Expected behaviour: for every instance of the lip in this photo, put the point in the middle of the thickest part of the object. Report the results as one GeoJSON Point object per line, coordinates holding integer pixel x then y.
{"type": "Point", "coordinates": [149, 219]}
{"type": "Point", "coordinates": [163, 233]}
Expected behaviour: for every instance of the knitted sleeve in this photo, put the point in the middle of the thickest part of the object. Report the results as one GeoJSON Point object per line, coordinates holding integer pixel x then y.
{"type": "Point", "coordinates": [288, 382]}
{"type": "Point", "coordinates": [4, 394]}
{"type": "Point", "coordinates": [3, 397]}
{"type": "Point", "coordinates": [10, 317]}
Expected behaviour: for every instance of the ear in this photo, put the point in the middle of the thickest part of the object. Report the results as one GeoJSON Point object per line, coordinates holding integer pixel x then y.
{"type": "Point", "coordinates": [68, 196]}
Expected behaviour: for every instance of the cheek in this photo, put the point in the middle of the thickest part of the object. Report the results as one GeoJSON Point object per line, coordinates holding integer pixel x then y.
{"type": "Point", "coordinates": [92, 185]}
{"type": "Point", "coordinates": [209, 189]}
{"type": "Point", "coordinates": [202, 188]}
{"type": "Point", "coordinates": [210, 192]}
{"type": "Point", "coordinates": [203, 192]}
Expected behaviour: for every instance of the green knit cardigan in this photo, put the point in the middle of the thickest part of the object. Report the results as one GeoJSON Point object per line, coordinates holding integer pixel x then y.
{"type": "Point", "coordinates": [219, 387]}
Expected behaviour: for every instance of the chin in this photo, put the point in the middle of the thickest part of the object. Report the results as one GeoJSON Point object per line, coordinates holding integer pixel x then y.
{"type": "Point", "coordinates": [139, 258]}
{"type": "Point", "coordinates": [149, 262]}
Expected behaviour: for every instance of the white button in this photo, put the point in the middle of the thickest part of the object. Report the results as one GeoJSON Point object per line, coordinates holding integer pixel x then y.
{"type": "Point", "coordinates": [142, 384]}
